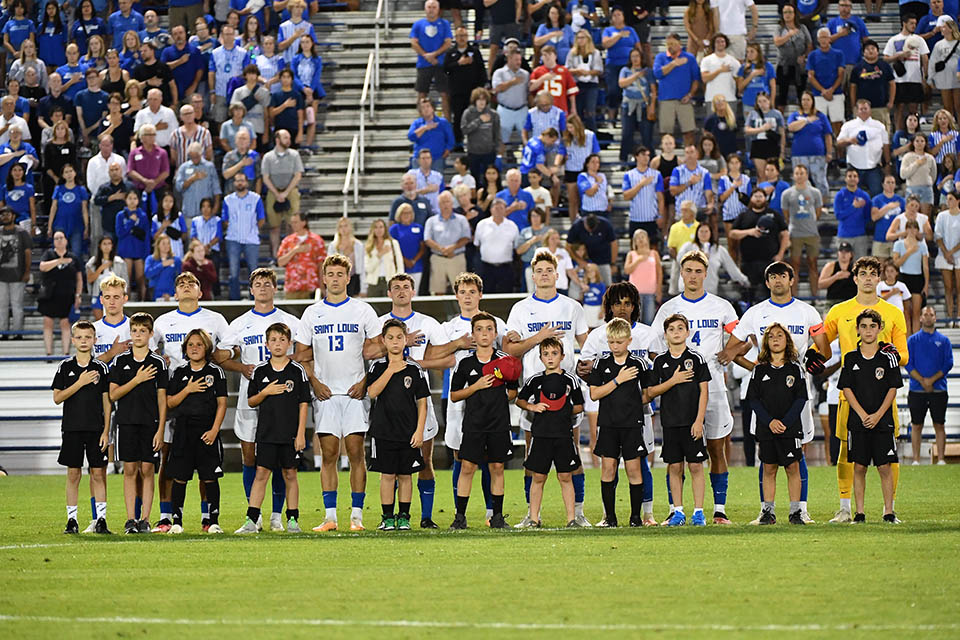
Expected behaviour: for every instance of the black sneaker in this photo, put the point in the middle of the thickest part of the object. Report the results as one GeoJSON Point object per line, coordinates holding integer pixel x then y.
{"type": "Point", "coordinates": [768, 517]}
{"type": "Point", "coordinates": [459, 521]}
{"type": "Point", "coordinates": [636, 521]}
{"type": "Point", "coordinates": [859, 519]}
{"type": "Point", "coordinates": [427, 523]}
{"type": "Point", "coordinates": [891, 518]}
{"type": "Point", "coordinates": [131, 527]}
{"type": "Point", "coordinates": [796, 518]}
{"type": "Point", "coordinates": [101, 527]}
{"type": "Point", "coordinates": [143, 526]}
{"type": "Point", "coordinates": [72, 526]}
{"type": "Point", "coordinates": [498, 522]}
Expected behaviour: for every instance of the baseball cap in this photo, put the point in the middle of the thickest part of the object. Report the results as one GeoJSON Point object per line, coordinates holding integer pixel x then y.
{"type": "Point", "coordinates": [767, 222]}
{"type": "Point", "coordinates": [944, 19]}
{"type": "Point", "coordinates": [553, 392]}
{"type": "Point", "coordinates": [845, 246]}
{"type": "Point", "coordinates": [503, 369]}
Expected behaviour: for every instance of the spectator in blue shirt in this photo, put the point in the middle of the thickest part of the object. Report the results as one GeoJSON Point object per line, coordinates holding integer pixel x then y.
{"type": "Point", "coordinates": [931, 359]}
{"type": "Point", "coordinates": [243, 216]}
{"type": "Point", "coordinates": [184, 60]}
{"type": "Point", "coordinates": [123, 20]}
{"type": "Point", "coordinates": [433, 133]}
{"type": "Point", "coordinates": [241, 7]}
{"type": "Point", "coordinates": [87, 26]}
{"type": "Point", "coordinates": [226, 62]}
{"type": "Point", "coordinates": [161, 269]}
{"type": "Point", "coordinates": [73, 73]}
{"type": "Point", "coordinates": [17, 29]}
{"type": "Point", "coordinates": [848, 32]}
{"type": "Point", "coordinates": [293, 29]}
{"type": "Point", "coordinates": [812, 142]}
{"type": "Point", "coordinates": [133, 240]}
{"type": "Point", "coordinates": [825, 72]}
{"type": "Point", "coordinates": [555, 31]}
{"type": "Point", "coordinates": [91, 106]}
{"type": "Point", "coordinates": [535, 157]}
{"type": "Point", "coordinates": [307, 66]}
{"type": "Point", "coordinates": [519, 202]}
{"type": "Point", "coordinates": [773, 186]}
{"type": "Point", "coordinates": [886, 206]}
{"type": "Point", "coordinates": [619, 40]}
{"type": "Point", "coordinates": [679, 78]}
{"type": "Point", "coordinates": [68, 210]}
{"type": "Point", "coordinates": [852, 207]}
{"type": "Point", "coordinates": [52, 36]}
{"type": "Point", "coordinates": [152, 30]}
{"type": "Point", "coordinates": [927, 27]}
{"type": "Point", "coordinates": [430, 37]}
{"type": "Point", "coordinates": [409, 234]}
{"type": "Point", "coordinates": [756, 76]}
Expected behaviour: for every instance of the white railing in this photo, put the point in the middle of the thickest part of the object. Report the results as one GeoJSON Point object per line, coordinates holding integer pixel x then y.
{"type": "Point", "coordinates": [353, 171]}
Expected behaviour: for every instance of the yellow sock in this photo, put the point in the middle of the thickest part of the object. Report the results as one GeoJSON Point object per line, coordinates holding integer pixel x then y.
{"type": "Point", "coordinates": [895, 468]}
{"type": "Point", "coordinates": [844, 473]}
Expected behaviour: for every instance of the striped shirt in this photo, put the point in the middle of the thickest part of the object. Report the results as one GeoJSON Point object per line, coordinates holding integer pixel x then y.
{"type": "Point", "coordinates": [206, 230]}
{"type": "Point", "coordinates": [180, 141]}
{"type": "Point", "coordinates": [576, 154]}
{"type": "Point", "coordinates": [645, 206]}
{"type": "Point", "coordinates": [732, 207]}
{"type": "Point", "coordinates": [696, 192]}
{"type": "Point", "coordinates": [226, 63]}
{"type": "Point", "coordinates": [598, 201]}
{"type": "Point", "coordinates": [539, 121]}
{"type": "Point", "coordinates": [434, 177]}
{"type": "Point", "coordinates": [948, 147]}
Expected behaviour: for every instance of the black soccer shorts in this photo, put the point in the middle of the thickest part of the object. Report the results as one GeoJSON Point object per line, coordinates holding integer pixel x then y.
{"type": "Point", "coordinates": [680, 446]}
{"type": "Point", "coordinates": [189, 453]}
{"type": "Point", "coordinates": [919, 402]}
{"type": "Point", "coordinates": [272, 455]}
{"type": "Point", "coordinates": [77, 444]}
{"type": "Point", "coordinates": [394, 457]}
{"type": "Point", "coordinates": [563, 453]}
{"type": "Point", "coordinates": [626, 443]}
{"type": "Point", "coordinates": [135, 443]}
{"type": "Point", "coordinates": [486, 446]}
{"type": "Point", "coordinates": [872, 447]}
{"type": "Point", "coordinates": [781, 451]}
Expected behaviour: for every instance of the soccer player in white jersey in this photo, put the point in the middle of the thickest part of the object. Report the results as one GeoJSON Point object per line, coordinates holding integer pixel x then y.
{"type": "Point", "coordinates": [621, 300]}
{"type": "Point", "coordinates": [458, 342]}
{"type": "Point", "coordinates": [803, 322]}
{"type": "Point", "coordinates": [334, 333]}
{"type": "Point", "coordinates": [422, 331]}
{"type": "Point", "coordinates": [541, 315]}
{"type": "Point", "coordinates": [170, 330]}
{"type": "Point", "coordinates": [247, 342]}
{"type": "Point", "coordinates": [711, 318]}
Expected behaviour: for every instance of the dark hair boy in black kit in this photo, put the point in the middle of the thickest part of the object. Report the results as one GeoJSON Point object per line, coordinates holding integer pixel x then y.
{"type": "Point", "coordinates": [399, 390]}
{"type": "Point", "coordinates": [198, 393]}
{"type": "Point", "coordinates": [553, 397]}
{"type": "Point", "coordinates": [138, 386]}
{"type": "Point", "coordinates": [280, 392]}
{"type": "Point", "coordinates": [486, 381]}
{"type": "Point", "coordinates": [869, 381]}
{"type": "Point", "coordinates": [81, 385]}
{"type": "Point", "coordinates": [682, 412]}
{"type": "Point", "coordinates": [777, 394]}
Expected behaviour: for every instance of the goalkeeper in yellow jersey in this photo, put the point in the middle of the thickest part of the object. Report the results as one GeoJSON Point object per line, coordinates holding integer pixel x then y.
{"type": "Point", "coordinates": [841, 323]}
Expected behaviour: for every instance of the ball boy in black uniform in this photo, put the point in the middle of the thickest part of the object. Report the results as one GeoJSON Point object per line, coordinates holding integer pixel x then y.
{"type": "Point", "coordinates": [869, 381]}
{"type": "Point", "coordinates": [399, 391]}
{"type": "Point", "coordinates": [138, 386]}
{"type": "Point", "coordinates": [777, 394]}
{"type": "Point", "coordinates": [198, 396]}
{"type": "Point", "coordinates": [554, 398]}
{"type": "Point", "coordinates": [81, 385]}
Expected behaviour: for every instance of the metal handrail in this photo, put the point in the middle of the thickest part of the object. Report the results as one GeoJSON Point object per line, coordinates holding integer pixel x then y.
{"type": "Point", "coordinates": [352, 172]}
{"type": "Point", "coordinates": [367, 89]}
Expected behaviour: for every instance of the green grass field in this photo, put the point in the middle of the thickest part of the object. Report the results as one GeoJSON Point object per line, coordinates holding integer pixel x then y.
{"type": "Point", "coordinates": [822, 580]}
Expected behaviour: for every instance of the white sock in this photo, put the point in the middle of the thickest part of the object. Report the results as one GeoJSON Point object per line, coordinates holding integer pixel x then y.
{"type": "Point", "coordinates": [332, 513]}
{"type": "Point", "coordinates": [803, 506]}
{"type": "Point", "coordinates": [101, 510]}
{"type": "Point", "coordinates": [356, 513]}
{"type": "Point", "coordinates": [577, 508]}
{"type": "Point", "coordinates": [344, 461]}
{"type": "Point", "coordinates": [678, 508]}
{"type": "Point", "coordinates": [317, 462]}
{"type": "Point", "coordinates": [71, 512]}
{"type": "Point", "coordinates": [648, 508]}
{"type": "Point", "coordinates": [719, 508]}
{"type": "Point", "coordinates": [490, 513]}
{"type": "Point", "coordinates": [845, 503]}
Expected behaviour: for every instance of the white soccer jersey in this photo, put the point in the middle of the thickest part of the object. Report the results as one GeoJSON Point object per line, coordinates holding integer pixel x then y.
{"type": "Point", "coordinates": [711, 318]}
{"type": "Point", "coordinates": [457, 327]}
{"type": "Point", "coordinates": [107, 333]}
{"type": "Point", "coordinates": [171, 330]}
{"type": "Point", "coordinates": [249, 333]}
{"type": "Point", "coordinates": [531, 314]}
{"type": "Point", "coordinates": [800, 319]}
{"type": "Point", "coordinates": [641, 343]}
{"type": "Point", "coordinates": [337, 333]}
{"type": "Point", "coordinates": [427, 325]}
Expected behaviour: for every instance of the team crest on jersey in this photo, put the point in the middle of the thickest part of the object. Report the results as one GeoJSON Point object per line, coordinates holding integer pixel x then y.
{"type": "Point", "coordinates": [879, 373]}
{"type": "Point", "coordinates": [790, 381]}
{"type": "Point", "coordinates": [407, 381]}
{"type": "Point", "coordinates": [288, 386]}
{"type": "Point", "coordinates": [96, 377]}
{"type": "Point", "coordinates": [688, 364]}
{"type": "Point", "coordinates": [208, 380]}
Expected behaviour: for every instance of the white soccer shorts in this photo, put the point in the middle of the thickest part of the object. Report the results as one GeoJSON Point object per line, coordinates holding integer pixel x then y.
{"type": "Point", "coordinates": [340, 416]}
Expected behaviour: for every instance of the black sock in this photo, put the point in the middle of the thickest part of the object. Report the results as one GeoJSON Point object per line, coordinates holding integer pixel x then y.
{"type": "Point", "coordinates": [178, 494]}
{"type": "Point", "coordinates": [293, 514]}
{"type": "Point", "coordinates": [636, 499]}
{"type": "Point", "coordinates": [387, 510]}
{"type": "Point", "coordinates": [497, 504]}
{"type": "Point", "coordinates": [462, 505]}
{"type": "Point", "coordinates": [608, 494]}
{"type": "Point", "coordinates": [213, 499]}
{"type": "Point", "coordinates": [253, 513]}
{"type": "Point", "coordinates": [404, 509]}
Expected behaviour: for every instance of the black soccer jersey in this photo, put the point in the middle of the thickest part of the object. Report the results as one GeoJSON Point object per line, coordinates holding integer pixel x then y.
{"type": "Point", "coordinates": [198, 409]}
{"type": "Point", "coordinates": [679, 405]}
{"type": "Point", "coordinates": [551, 388]}
{"type": "Point", "coordinates": [393, 415]}
{"type": "Point", "coordinates": [279, 416]}
{"type": "Point", "coordinates": [140, 405]}
{"type": "Point", "coordinates": [774, 394]}
{"type": "Point", "coordinates": [487, 410]}
{"type": "Point", "coordinates": [870, 380]}
{"type": "Point", "coordinates": [623, 407]}
{"type": "Point", "coordinates": [83, 411]}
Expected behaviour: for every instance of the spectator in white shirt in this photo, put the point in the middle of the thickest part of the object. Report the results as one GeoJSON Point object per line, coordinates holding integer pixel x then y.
{"type": "Point", "coordinates": [161, 117]}
{"type": "Point", "coordinates": [98, 174]}
{"type": "Point", "coordinates": [866, 140]}
{"type": "Point", "coordinates": [719, 71]}
{"type": "Point", "coordinates": [495, 237]}
{"type": "Point", "coordinates": [730, 16]}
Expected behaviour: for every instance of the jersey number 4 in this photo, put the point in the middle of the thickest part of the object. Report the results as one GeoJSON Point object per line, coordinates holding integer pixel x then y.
{"type": "Point", "coordinates": [695, 338]}
{"type": "Point", "coordinates": [336, 343]}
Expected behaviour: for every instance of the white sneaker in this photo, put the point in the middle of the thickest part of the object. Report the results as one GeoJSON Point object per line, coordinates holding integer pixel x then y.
{"type": "Point", "coordinates": [293, 526]}
{"type": "Point", "coordinates": [806, 518]}
{"type": "Point", "coordinates": [248, 527]}
{"type": "Point", "coordinates": [843, 516]}
{"type": "Point", "coordinates": [175, 528]}
{"type": "Point", "coordinates": [941, 461]}
{"type": "Point", "coordinates": [915, 463]}
{"type": "Point", "coordinates": [526, 523]}
{"type": "Point", "coordinates": [214, 528]}
{"type": "Point", "coordinates": [582, 521]}
{"type": "Point", "coordinates": [260, 523]}
{"type": "Point", "coordinates": [276, 522]}
{"type": "Point", "coordinates": [92, 528]}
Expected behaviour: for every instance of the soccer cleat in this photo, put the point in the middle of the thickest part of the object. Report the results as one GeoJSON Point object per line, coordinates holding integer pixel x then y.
{"type": "Point", "coordinates": [427, 523]}
{"type": "Point", "coordinates": [387, 524]}
{"type": "Point", "coordinates": [100, 526]}
{"type": "Point", "coordinates": [259, 523]}
{"type": "Point", "coordinates": [498, 522]}
{"type": "Point", "coordinates": [677, 520]}
{"type": "Point", "coordinates": [293, 526]}
{"type": "Point", "coordinates": [327, 525]}
{"type": "Point", "coordinates": [162, 527]}
{"type": "Point", "coordinates": [667, 521]}
{"type": "Point", "coordinates": [356, 524]}
{"type": "Point", "coordinates": [607, 523]}
{"type": "Point", "coordinates": [650, 521]}
{"type": "Point", "coordinates": [175, 529]}
{"type": "Point", "coordinates": [248, 527]}
{"type": "Point", "coordinates": [131, 527]}
{"type": "Point", "coordinates": [72, 526]}
{"type": "Point", "coordinates": [796, 518]}
{"type": "Point", "coordinates": [582, 520]}
{"type": "Point", "coordinates": [768, 517]}
{"type": "Point", "coordinates": [720, 518]}
{"type": "Point", "coordinates": [859, 519]}
{"type": "Point", "coordinates": [636, 521]}
{"type": "Point", "coordinates": [756, 521]}
{"type": "Point", "coordinates": [526, 523]}
{"type": "Point", "coordinates": [842, 517]}
{"type": "Point", "coordinates": [91, 528]}
{"type": "Point", "coordinates": [144, 526]}
{"type": "Point", "coordinates": [214, 528]}
{"type": "Point", "coordinates": [806, 518]}
{"type": "Point", "coordinates": [403, 522]}
{"type": "Point", "coordinates": [276, 522]}
{"type": "Point", "coordinates": [459, 522]}
{"type": "Point", "coordinates": [891, 518]}
{"type": "Point", "coordinates": [573, 524]}
{"type": "Point", "coordinates": [698, 519]}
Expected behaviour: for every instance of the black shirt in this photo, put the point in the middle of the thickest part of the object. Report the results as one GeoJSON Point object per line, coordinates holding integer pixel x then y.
{"type": "Point", "coordinates": [552, 424]}
{"type": "Point", "coordinates": [138, 407]}
{"type": "Point", "coordinates": [773, 393]}
{"type": "Point", "coordinates": [110, 208]}
{"type": "Point", "coordinates": [83, 411]}
{"type": "Point", "coordinates": [13, 253]}
{"type": "Point", "coordinates": [46, 105]}
{"type": "Point", "coordinates": [55, 156]}
{"type": "Point", "coordinates": [393, 415]}
{"type": "Point", "coordinates": [870, 379]}
{"type": "Point", "coordinates": [143, 72]}
{"type": "Point", "coordinates": [278, 417]}
{"type": "Point", "coordinates": [762, 248]}
{"type": "Point", "coordinates": [503, 12]}
{"type": "Point", "coordinates": [873, 82]}
{"type": "Point", "coordinates": [487, 410]}
{"type": "Point", "coordinates": [199, 408]}
{"type": "Point", "coordinates": [622, 408]}
{"type": "Point", "coordinates": [680, 404]}
{"type": "Point", "coordinates": [598, 240]}
{"type": "Point", "coordinates": [464, 78]}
